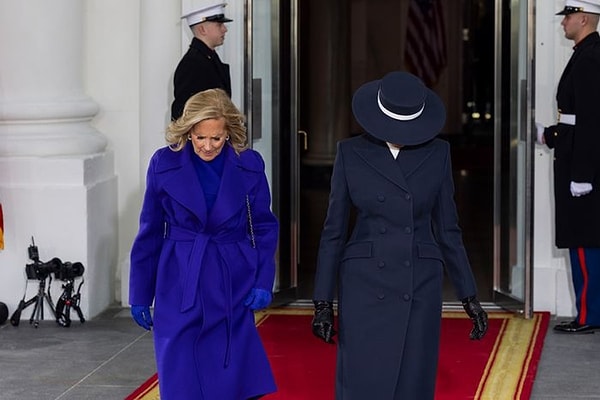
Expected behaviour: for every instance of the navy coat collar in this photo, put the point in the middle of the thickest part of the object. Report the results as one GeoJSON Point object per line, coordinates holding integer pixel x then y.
{"type": "Point", "coordinates": [377, 155]}
{"type": "Point", "coordinates": [180, 181]}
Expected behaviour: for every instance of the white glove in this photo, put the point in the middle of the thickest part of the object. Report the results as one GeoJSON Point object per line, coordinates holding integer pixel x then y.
{"type": "Point", "coordinates": [540, 133]}
{"type": "Point", "coordinates": [580, 188]}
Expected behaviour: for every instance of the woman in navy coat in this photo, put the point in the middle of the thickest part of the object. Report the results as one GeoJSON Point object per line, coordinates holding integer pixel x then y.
{"type": "Point", "coordinates": [204, 254]}
{"type": "Point", "coordinates": [389, 271]}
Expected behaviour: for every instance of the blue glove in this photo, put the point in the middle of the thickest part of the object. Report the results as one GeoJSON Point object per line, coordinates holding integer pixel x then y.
{"type": "Point", "coordinates": [141, 315]}
{"type": "Point", "coordinates": [258, 299]}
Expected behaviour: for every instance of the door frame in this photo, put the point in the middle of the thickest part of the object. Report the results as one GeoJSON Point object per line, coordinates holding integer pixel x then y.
{"type": "Point", "coordinates": [513, 156]}
{"type": "Point", "coordinates": [281, 20]}
{"type": "Point", "coordinates": [514, 82]}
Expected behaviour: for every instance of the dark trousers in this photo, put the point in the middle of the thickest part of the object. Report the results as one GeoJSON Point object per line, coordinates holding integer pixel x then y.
{"type": "Point", "coordinates": [585, 271]}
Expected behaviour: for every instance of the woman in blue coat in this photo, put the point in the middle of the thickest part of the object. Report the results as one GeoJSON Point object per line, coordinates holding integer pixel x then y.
{"type": "Point", "coordinates": [204, 255]}
{"type": "Point", "coordinates": [388, 271]}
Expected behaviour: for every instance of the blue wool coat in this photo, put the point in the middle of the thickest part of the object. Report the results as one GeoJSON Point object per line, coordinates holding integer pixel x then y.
{"type": "Point", "coordinates": [389, 271]}
{"type": "Point", "coordinates": [197, 268]}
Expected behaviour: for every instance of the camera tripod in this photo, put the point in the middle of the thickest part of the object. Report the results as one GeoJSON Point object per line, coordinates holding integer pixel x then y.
{"type": "Point", "coordinates": [38, 305]}
{"type": "Point", "coordinates": [67, 301]}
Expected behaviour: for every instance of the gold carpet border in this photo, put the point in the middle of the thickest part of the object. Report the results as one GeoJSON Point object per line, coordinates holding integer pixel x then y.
{"type": "Point", "coordinates": [262, 315]}
{"type": "Point", "coordinates": [501, 374]}
{"type": "Point", "coordinates": [510, 360]}
{"type": "Point", "coordinates": [150, 393]}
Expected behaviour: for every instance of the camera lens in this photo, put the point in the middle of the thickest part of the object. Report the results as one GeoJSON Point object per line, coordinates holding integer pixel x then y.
{"type": "Point", "coordinates": [77, 269]}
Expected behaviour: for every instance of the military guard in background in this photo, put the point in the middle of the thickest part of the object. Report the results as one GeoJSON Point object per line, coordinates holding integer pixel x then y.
{"type": "Point", "coordinates": [576, 143]}
{"type": "Point", "coordinates": [201, 68]}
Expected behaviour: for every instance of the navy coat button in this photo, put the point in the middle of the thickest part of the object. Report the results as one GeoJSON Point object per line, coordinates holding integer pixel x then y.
{"type": "Point", "coordinates": [406, 297]}
{"type": "Point", "coordinates": [407, 229]}
{"type": "Point", "coordinates": [380, 198]}
{"type": "Point", "coordinates": [407, 196]}
{"type": "Point", "coordinates": [381, 264]}
{"type": "Point", "coordinates": [381, 296]}
{"type": "Point", "coordinates": [407, 263]}
{"type": "Point", "coordinates": [382, 230]}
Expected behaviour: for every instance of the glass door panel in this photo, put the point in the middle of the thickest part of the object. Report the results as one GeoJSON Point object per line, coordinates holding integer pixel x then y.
{"type": "Point", "coordinates": [270, 108]}
{"type": "Point", "coordinates": [513, 156]}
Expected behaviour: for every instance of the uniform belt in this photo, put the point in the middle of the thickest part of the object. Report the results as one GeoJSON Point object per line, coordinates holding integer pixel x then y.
{"type": "Point", "coordinates": [567, 119]}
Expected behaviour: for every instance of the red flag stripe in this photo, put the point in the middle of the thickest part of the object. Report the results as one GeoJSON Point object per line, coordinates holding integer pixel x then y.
{"type": "Point", "coordinates": [1, 228]}
{"type": "Point", "coordinates": [425, 48]}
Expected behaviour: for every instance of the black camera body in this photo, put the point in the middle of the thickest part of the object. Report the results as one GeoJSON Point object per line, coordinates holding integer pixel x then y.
{"type": "Point", "coordinates": [41, 270]}
{"type": "Point", "coordinates": [69, 271]}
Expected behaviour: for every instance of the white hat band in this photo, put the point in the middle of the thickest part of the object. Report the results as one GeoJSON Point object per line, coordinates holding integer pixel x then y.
{"type": "Point", "coordinates": [399, 117]}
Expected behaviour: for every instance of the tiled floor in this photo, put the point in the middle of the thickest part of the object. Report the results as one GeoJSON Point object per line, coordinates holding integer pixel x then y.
{"type": "Point", "coordinates": [105, 358]}
{"type": "Point", "coordinates": [109, 356]}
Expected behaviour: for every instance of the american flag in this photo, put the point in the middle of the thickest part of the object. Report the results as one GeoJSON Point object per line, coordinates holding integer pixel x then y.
{"type": "Point", "coordinates": [425, 47]}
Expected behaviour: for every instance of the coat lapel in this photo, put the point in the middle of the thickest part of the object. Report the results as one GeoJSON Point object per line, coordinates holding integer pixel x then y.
{"type": "Point", "coordinates": [232, 191]}
{"type": "Point", "coordinates": [181, 182]}
{"type": "Point", "coordinates": [412, 158]}
{"type": "Point", "coordinates": [380, 158]}
{"type": "Point", "coordinates": [398, 170]}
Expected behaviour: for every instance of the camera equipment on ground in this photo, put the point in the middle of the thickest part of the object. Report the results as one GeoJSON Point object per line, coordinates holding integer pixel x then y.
{"type": "Point", "coordinates": [3, 313]}
{"type": "Point", "coordinates": [43, 271]}
{"type": "Point", "coordinates": [68, 301]}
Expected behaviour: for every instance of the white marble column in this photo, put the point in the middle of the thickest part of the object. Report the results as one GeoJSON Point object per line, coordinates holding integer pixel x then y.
{"type": "Point", "coordinates": [43, 110]}
{"type": "Point", "coordinates": [57, 180]}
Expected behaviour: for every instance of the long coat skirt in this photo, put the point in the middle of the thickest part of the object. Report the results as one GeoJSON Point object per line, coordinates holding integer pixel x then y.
{"type": "Point", "coordinates": [390, 269]}
{"type": "Point", "coordinates": [198, 267]}
{"type": "Point", "coordinates": [577, 219]}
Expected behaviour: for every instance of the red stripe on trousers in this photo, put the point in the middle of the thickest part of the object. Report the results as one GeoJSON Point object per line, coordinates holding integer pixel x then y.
{"type": "Point", "coordinates": [584, 289]}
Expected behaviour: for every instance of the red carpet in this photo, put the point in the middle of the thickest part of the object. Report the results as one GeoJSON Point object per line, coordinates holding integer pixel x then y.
{"type": "Point", "coordinates": [502, 365]}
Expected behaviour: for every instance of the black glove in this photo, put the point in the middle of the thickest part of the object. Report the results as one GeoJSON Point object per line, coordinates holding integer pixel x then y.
{"type": "Point", "coordinates": [478, 315]}
{"type": "Point", "coordinates": [322, 323]}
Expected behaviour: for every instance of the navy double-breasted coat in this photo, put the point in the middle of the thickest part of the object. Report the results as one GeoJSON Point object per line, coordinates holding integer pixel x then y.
{"type": "Point", "coordinates": [389, 270]}
{"type": "Point", "coordinates": [198, 267]}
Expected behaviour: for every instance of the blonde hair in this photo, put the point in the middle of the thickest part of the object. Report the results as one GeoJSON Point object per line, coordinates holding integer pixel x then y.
{"type": "Point", "coordinates": [208, 104]}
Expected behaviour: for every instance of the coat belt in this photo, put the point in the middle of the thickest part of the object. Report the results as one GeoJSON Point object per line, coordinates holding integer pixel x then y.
{"type": "Point", "coordinates": [200, 240]}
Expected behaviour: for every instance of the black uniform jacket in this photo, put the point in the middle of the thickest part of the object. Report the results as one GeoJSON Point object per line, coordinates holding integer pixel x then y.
{"type": "Point", "coordinates": [577, 148]}
{"type": "Point", "coordinates": [199, 69]}
{"type": "Point", "coordinates": [389, 270]}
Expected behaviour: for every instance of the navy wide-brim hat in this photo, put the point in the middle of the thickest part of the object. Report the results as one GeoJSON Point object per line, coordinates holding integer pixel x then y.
{"type": "Point", "coordinates": [399, 109]}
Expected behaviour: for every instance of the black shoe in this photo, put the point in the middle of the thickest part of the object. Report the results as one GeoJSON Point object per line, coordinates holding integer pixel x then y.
{"type": "Point", "coordinates": [575, 327]}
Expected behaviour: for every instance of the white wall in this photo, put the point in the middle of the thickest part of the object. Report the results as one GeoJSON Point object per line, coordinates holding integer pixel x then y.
{"type": "Point", "coordinates": [112, 79]}
{"type": "Point", "coordinates": [552, 288]}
